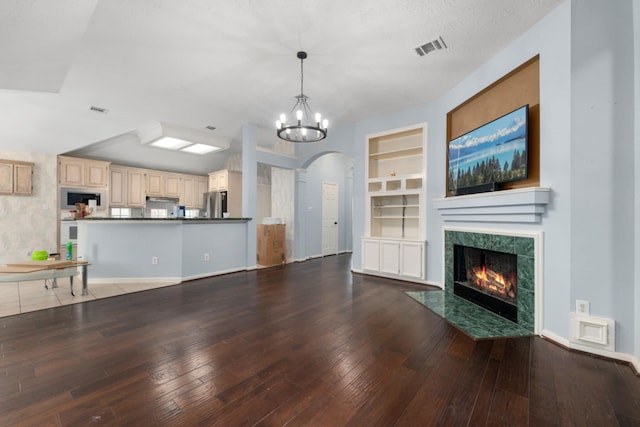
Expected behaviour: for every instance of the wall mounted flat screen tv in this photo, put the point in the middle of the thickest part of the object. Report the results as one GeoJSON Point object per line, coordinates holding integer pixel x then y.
{"type": "Point", "coordinates": [492, 154]}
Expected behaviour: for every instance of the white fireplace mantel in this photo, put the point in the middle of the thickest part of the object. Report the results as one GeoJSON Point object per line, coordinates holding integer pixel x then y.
{"type": "Point", "coordinates": [522, 205]}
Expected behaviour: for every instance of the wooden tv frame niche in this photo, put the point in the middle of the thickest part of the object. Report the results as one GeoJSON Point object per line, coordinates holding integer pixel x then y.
{"type": "Point", "coordinates": [521, 86]}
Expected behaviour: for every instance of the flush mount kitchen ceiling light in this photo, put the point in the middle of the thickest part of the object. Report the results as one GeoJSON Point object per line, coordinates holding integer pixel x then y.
{"type": "Point", "coordinates": [170, 143]}
{"type": "Point", "coordinates": [200, 149]}
{"type": "Point", "coordinates": [302, 131]}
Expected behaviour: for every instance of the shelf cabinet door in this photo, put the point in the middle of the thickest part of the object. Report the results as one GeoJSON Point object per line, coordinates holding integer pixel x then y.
{"type": "Point", "coordinates": [389, 257]}
{"type": "Point", "coordinates": [411, 259]}
{"type": "Point", "coordinates": [371, 255]}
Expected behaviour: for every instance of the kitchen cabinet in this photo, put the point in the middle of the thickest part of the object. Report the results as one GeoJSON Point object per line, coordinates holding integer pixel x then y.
{"type": "Point", "coordinates": [76, 172]}
{"type": "Point", "coordinates": [201, 187]}
{"type": "Point", "coordinates": [219, 180]}
{"type": "Point", "coordinates": [188, 186]}
{"type": "Point", "coordinates": [126, 187]}
{"type": "Point", "coordinates": [16, 177]}
{"type": "Point", "coordinates": [231, 182]}
{"type": "Point", "coordinates": [172, 185]}
{"type": "Point", "coordinates": [155, 183]}
{"type": "Point", "coordinates": [193, 189]}
{"type": "Point", "coordinates": [136, 197]}
{"type": "Point", "coordinates": [117, 187]}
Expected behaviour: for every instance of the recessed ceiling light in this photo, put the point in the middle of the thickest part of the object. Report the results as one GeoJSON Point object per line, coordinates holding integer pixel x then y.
{"type": "Point", "coordinates": [200, 149]}
{"type": "Point", "coordinates": [170, 143]}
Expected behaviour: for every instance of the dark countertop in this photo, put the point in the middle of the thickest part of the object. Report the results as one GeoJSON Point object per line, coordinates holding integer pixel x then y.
{"type": "Point", "coordinates": [184, 220]}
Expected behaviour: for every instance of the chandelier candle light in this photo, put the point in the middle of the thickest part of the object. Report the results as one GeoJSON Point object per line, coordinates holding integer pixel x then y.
{"type": "Point", "coordinates": [302, 132]}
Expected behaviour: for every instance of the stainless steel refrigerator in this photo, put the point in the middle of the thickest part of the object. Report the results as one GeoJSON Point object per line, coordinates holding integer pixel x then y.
{"type": "Point", "coordinates": [215, 204]}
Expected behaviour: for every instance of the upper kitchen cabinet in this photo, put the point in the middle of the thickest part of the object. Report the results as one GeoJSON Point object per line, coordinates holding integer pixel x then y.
{"type": "Point", "coordinates": [231, 182]}
{"type": "Point", "coordinates": [126, 187]}
{"type": "Point", "coordinates": [172, 185]}
{"type": "Point", "coordinates": [75, 172]}
{"type": "Point", "coordinates": [117, 187]}
{"type": "Point", "coordinates": [223, 179]}
{"type": "Point", "coordinates": [15, 177]}
{"type": "Point", "coordinates": [135, 188]}
{"type": "Point", "coordinates": [155, 183]}
{"type": "Point", "coordinates": [163, 184]}
{"type": "Point", "coordinates": [201, 187]}
{"type": "Point", "coordinates": [193, 189]}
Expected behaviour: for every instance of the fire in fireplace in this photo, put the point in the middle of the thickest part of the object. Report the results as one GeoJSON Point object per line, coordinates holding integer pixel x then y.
{"type": "Point", "coordinates": [487, 278]}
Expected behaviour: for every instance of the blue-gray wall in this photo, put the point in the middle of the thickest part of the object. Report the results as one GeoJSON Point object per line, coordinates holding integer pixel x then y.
{"type": "Point", "coordinates": [587, 136]}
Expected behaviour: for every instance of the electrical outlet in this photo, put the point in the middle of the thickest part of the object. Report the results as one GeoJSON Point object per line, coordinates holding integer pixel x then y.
{"type": "Point", "coordinates": [154, 260]}
{"type": "Point", "coordinates": [582, 307]}
{"type": "Point", "coordinates": [206, 257]}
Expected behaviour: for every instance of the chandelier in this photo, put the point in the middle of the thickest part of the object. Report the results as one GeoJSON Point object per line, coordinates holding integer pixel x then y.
{"type": "Point", "coordinates": [307, 131]}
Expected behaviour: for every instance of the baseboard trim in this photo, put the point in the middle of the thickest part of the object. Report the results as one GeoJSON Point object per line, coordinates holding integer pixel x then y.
{"type": "Point", "coordinates": [121, 280]}
{"type": "Point", "coordinates": [614, 355]}
{"type": "Point", "coordinates": [392, 277]}
{"type": "Point", "coordinates": [217, 273]}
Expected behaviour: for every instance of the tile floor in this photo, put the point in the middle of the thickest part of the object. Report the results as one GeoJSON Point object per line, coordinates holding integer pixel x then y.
{"type": "Point", "coordinates": [22, 297]}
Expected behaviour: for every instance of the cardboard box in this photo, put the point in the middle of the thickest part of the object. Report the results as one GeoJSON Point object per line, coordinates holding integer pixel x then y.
{"type": "Point", "coordinates": [271, 245]}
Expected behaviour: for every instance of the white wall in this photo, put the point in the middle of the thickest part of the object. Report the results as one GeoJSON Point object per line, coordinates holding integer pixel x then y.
{"type": "Point", "coordinates": [283, 203]}
{"type": "Point", "coordinates": [587, 140]}
{"type": "Point", "coordinates": [602, 164]}
{"type": "Point", "coordinates": [333, 167]}
{"type": "Point", "coordinates": [29, 223]}
{"type": "Point", "coordinates": [636, 49]}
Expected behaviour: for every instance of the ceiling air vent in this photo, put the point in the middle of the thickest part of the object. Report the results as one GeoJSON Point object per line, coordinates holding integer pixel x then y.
{"type": "Point", "coordinates": [98, 109]}
{"type": "Point", "coordinates": [210, 127]}
{"type": "Point", "coordinates": [436, 44]}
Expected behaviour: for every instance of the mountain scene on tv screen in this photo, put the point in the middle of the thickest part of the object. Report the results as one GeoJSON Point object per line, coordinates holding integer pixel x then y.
{"type": "Point", "coordinates": [495, 152]}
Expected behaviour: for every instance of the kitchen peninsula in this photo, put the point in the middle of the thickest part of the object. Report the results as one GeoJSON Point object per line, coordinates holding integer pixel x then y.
{"type": "Point", "coordinates": [173, 250]}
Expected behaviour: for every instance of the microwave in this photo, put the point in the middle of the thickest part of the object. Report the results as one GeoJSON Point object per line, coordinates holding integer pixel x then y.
{"type": "Point", "coordinates": [70, 196]}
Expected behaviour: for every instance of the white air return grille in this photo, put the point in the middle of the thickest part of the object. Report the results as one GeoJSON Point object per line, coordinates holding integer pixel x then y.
{"type": "Point", "coordinates": [593, 331]}
{"type": "Point", "coordinates": [436, 44]}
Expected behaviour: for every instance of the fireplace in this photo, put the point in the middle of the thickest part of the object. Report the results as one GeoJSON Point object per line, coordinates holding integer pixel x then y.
{"type": "Point", "coordinates": [487, 278]}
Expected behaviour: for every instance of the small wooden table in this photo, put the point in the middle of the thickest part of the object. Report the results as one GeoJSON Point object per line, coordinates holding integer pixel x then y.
{"type": "Point", "coordinates": [44, 270]}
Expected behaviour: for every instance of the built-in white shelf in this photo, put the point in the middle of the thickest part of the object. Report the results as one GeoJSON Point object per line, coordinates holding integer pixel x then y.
{"type": "Point", "coordinates": [522, 205]}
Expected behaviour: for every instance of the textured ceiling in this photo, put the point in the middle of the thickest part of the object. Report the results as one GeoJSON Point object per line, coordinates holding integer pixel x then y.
{"type": "Point", "coordinates": [194, 63]}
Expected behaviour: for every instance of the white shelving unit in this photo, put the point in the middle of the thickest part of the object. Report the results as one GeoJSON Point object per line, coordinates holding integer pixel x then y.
{"type": "Point", "coordinates": [395, 244]}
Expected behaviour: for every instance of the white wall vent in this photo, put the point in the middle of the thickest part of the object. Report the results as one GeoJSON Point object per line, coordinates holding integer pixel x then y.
{"type": "Point", "coordinates": [98, 109]}
{"type": "Point", "coordinates": [593, 331]}
{"type": "Point", "coordinates": [436, 44]}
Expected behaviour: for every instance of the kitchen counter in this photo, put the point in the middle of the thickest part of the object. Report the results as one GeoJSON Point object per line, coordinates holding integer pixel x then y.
{"type": "Point", "coordinates": [184, 220]}
{"type": "Point", "coordinates": [126, 250]}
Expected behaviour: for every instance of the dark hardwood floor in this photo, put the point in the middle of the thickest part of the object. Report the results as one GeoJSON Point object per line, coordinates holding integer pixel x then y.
{"type": "Point", "coordinates": [305, 344]}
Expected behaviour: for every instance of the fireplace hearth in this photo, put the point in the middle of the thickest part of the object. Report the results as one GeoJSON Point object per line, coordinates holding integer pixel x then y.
{"type": "Point", "coordinates": [487, 278]}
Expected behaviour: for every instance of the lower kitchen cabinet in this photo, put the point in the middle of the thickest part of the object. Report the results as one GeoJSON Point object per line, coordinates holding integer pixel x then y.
{"type": "Point", "coordinates": [394, 258]}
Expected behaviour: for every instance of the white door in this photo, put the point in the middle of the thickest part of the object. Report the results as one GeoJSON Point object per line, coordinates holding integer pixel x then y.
{"type": "Point", "coordinates": [329, 218]}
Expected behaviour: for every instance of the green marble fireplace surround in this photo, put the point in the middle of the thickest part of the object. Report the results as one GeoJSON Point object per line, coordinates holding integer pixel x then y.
{"type": "Point", "coordinates": [471, 318]}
